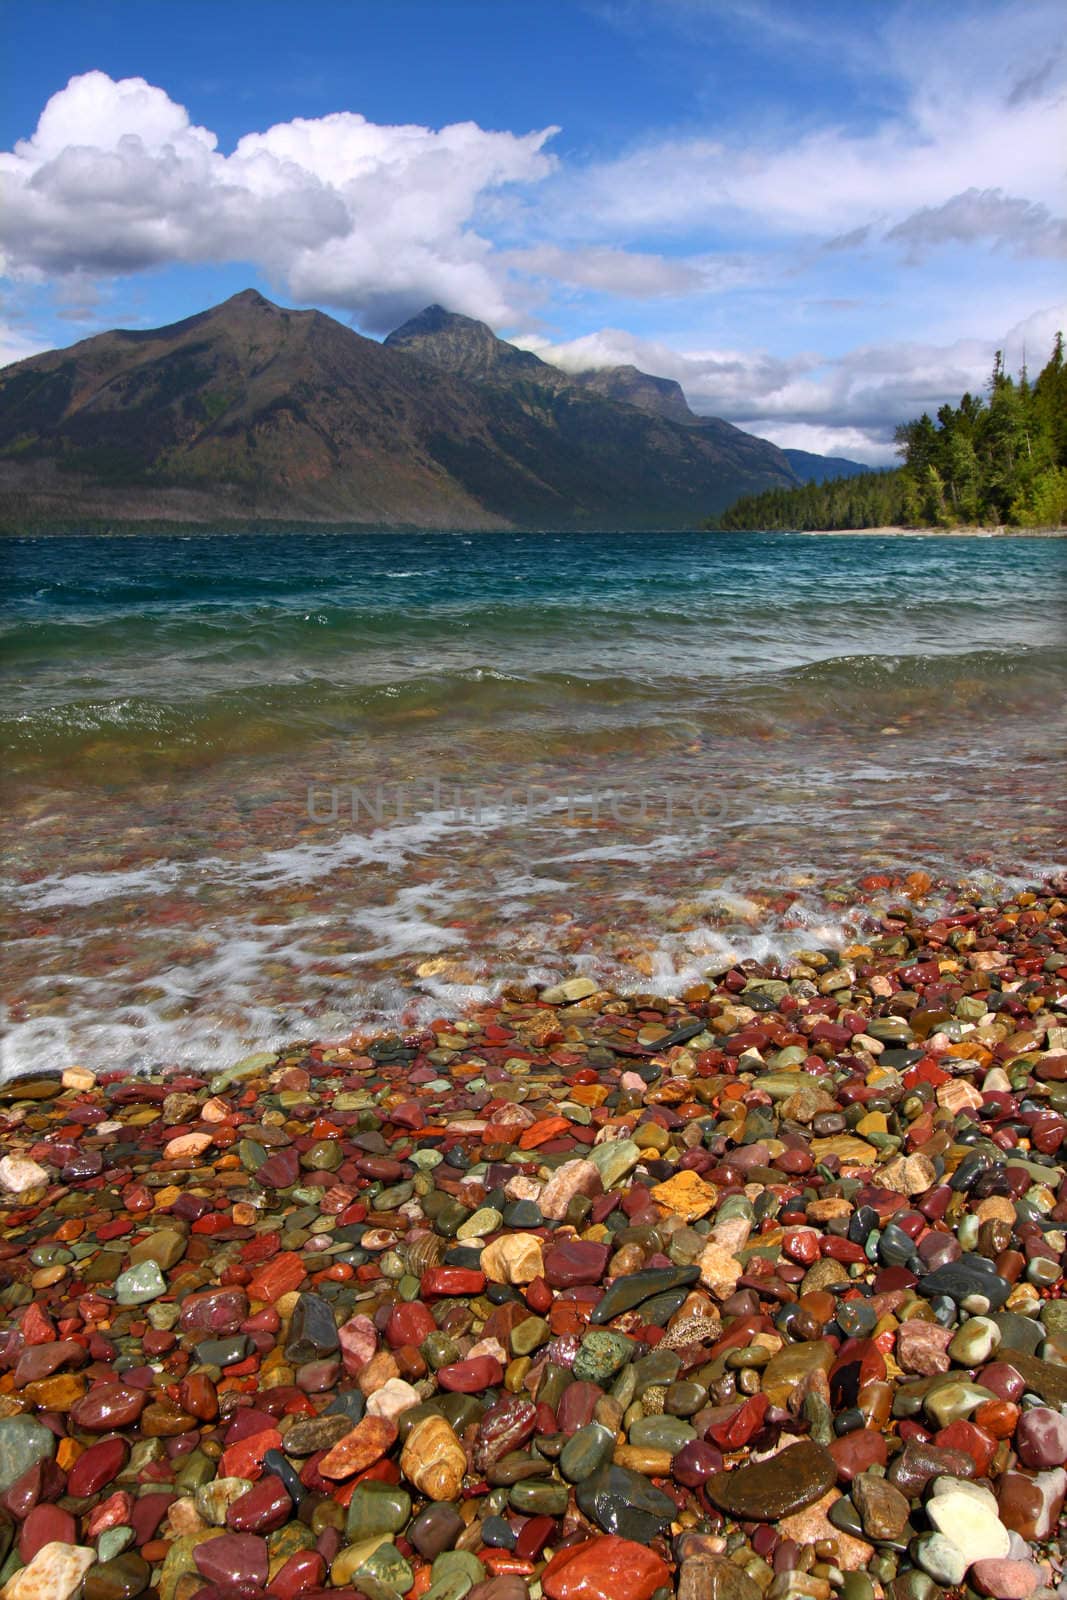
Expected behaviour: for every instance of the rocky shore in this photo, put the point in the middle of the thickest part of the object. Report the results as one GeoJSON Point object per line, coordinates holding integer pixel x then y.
{"type": "Point", "coordinates": [749, 1293]}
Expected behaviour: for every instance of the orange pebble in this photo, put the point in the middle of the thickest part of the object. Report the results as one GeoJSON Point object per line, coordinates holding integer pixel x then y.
{"type": "Point", "coordinates": [997, 1418]}
{"type": "Point", "coordinates": [340, 1272]}
{"type": "Point", "coordinates": [502, 1562]}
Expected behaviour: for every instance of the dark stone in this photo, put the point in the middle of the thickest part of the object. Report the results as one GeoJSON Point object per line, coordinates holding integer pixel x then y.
{"type": "Point", "coordinates": [625, 1503]}
{"type": "Point", "coordinates": [312, 1330]}
{"type": "Point", "coordinates": [765, 1491]}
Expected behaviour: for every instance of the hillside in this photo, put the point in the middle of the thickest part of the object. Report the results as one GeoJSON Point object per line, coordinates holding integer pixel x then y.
{"type": "Point", "coordinates": [996, 461]}
{"type": "Point", "coordinates": [250, 410]}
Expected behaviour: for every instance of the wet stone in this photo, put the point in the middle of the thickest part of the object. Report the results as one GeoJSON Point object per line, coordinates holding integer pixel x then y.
{"type": "Point", "coordinates": [140, 1284]}
{"type": "Point", "coordinates": [312, 1330]}
{"type": "Point", "coordinates": [768, 1490]}
{"type": "Point", "coordinates": [625, 1503]}
{"type": "Point", "coordinates": [372, 1318]}
{"type": "Point", "coordinates": [23, 1442]}
{"type": "Point", "coordinates": [122, 1578]}
{"type": "Point", "coordinates": [883, 1510]}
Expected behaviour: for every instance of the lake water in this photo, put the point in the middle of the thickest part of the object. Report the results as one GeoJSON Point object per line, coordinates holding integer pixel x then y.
{"type": "Point", "coordinates": [290, 786]}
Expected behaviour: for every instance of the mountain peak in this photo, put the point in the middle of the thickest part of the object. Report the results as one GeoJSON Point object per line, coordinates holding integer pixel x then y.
{"type": "Point", "coordinates": [436, 319]}
{"type": "Point", "coordinates": [463, 346]}
{"type": "Point", "coordinates": [249, 299]}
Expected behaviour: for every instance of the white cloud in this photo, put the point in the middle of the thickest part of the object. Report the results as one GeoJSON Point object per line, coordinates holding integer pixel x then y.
{"type": "Point", "coordinates": [632, 274]}
{"type": "Point", "coordinates": [753, 236]}
{"type": "Point", "coordinates": [848, 405]}
{"type": "Point", "coordinates": [852, 443]}
{"type": "Point", "coordinates": [979, 105]}
{"type": "Point", "coordinates": [1022, 226]}
{"type": "Point", "coordinates": [117, 179]}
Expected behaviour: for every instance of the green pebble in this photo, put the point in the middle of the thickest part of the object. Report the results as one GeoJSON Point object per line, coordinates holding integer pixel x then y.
{"type": "Point", "coordinates": [535, 1498]}
{"type": "Point", "coordinates": [458, 1563]}
{"type": "Point", "coordinates": [602, 1354]}
{"type": "Point", "coordinates": [529, 1335]}
{"type": "Point", "coordinates": [377, 1508]}
{"type": "Point", "coordinates": [388, 1568]}
{"type": "Point", "coordinates": [113, 1541]}
{"type": "Point", "coordinates": [586, 1451]}
{"type": "Point", "coordinates": [662, 1433]}
{"type": "Point", "coordinates": [484, 1221]}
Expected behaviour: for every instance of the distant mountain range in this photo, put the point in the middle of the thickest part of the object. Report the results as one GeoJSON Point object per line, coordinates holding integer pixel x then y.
{"type": "Point", "coordinates": [820, 469]}
{"type": "Point", "coordinates": [248, 412]}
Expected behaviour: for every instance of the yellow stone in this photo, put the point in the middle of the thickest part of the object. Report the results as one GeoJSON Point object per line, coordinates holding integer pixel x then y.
{"type": "Point", "coordinates": [640, 1458]}
{"type": "Point", "coordinates": [348, 1561]}
{"type": "Point", "coordinates": [78, 1078]}
{"type": "Point", "coordinates": [847, 1147]}
{"type": "Point", "coordinates": [434, 1460]}
{"type": "Point", "coordinates": [56, 1394]}
{"type": "Point", "coordinates": [513, 1258]}
{"type": "Point", "coordinates": [186, 1146]}
{"type": "Point", "coordinates": [686, 1194]}
{"type": "Point", "coordinates": [166, 1197]}
{"type": "Point", "coordinates": [785, 1371]}
{"type": "Point", "coordinates": [590, 1094]}
{"type": "Point", "coordinates": [45, 1277]}
{"type": "Point", "coordinates": [873, 1122]}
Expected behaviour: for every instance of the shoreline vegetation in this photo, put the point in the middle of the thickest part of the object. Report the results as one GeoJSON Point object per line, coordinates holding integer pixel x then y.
{"type": "Point", "coordinates": [264, 526]}
{"type": "Point", "coordinates": [984, 465]}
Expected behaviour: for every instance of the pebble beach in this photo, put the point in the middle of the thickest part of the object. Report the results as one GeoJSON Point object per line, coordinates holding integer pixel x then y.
{"type": "Point", "coordinates": [584, 1200]}
{"type": "Point", "coordinates": [751, 1294]}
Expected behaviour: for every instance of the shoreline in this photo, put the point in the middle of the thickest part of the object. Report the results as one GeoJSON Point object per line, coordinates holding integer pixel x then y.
{"type": "Point", "coordinates": [530, 1296]}
{"type": "Point", "coordinates": [253, 527]}
{"type": "Point", "coordinates": [1001, 532]}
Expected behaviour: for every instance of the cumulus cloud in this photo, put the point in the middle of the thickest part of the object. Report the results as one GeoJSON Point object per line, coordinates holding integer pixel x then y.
{"type": "Point", "coordinates": [741, 234]}
{"type": "Point", "coordinates": [847, 405]}
{"type": "Point", "coordinates": [376, 219]}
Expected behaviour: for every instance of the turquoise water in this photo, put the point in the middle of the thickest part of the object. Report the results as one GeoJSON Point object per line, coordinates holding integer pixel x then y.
{"type": "Point", "coordinates": [716, 729]}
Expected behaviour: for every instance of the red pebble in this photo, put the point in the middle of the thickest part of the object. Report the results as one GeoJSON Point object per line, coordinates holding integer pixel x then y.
{"type": "Point", "coordinates": [974, 1442]}
{"type": "Point", "coordinates": [439, 1281]}
{"type": "Point", "coordinates": [471, 1377]}
{"type": "Point", "coordinates": [606, 1568]}
{"type": "Point", "coordinates": [409, 1323]}
{"type": "Point", "coordinates": [739, 1428]}
{"type": "Point", "coordinates": [305, 1570]}
{"type": "Point", "coordinates": [45, 1525]}
{"type": "Point", "coordinates": [96, 1466]}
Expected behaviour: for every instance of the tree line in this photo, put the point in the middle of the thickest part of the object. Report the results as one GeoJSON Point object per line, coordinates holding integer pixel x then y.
{"type": "Point", "coordinates": [1000, 459]}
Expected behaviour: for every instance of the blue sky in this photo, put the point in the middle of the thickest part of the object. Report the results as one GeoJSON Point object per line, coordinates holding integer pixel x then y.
{"type": "Point", "coordinates": [820, 217]}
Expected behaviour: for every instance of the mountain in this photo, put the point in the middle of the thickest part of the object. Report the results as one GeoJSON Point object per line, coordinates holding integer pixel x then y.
{"type": "Point", "coordinates": [811, 468]}
{"type": "Point", "coordinates": [469, 349]}
{"type": "Point", "coordinates": [251, 412]}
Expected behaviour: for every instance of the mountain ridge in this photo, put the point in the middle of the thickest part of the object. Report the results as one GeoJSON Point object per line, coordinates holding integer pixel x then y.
{"type": "Point", "coordinates": [251, 410]}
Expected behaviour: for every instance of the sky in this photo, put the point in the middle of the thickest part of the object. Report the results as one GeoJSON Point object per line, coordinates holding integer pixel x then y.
{"type": "Point", "coordinates": [821, 217]}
